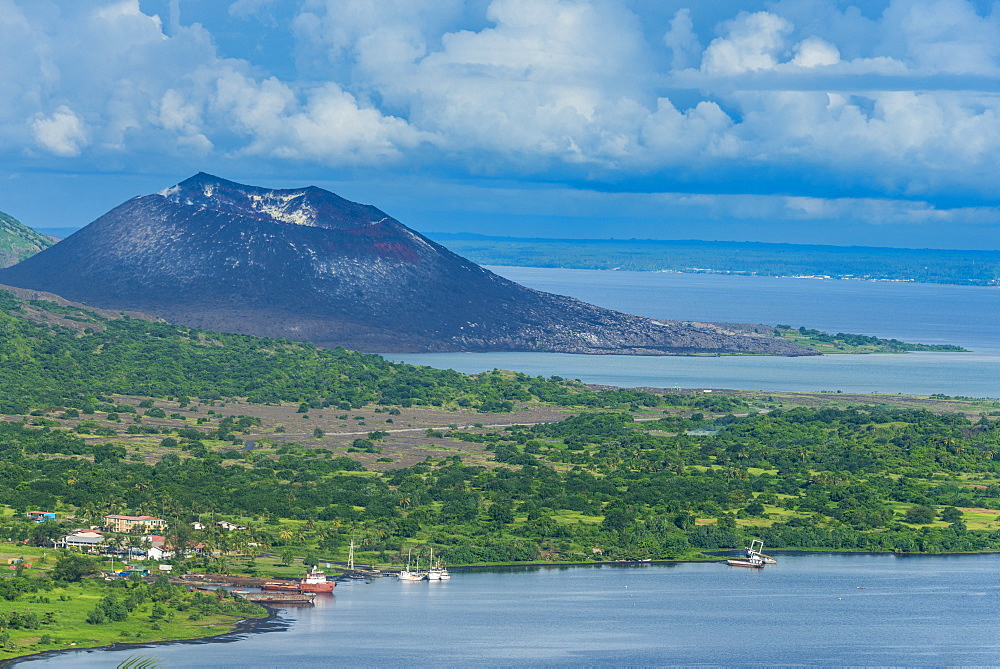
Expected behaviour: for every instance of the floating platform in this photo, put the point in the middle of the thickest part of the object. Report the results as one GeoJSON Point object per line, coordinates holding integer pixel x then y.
{"type": "Point", "coordinates": [282, 598]}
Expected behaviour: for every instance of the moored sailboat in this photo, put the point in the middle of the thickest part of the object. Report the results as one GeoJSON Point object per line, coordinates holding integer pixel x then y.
{"type": "Point", "coordinates": [415, 574]}
{"type": "Point", "coordinates": [351, 573]}
{"type": "Point", "coordinates": [437, 572]}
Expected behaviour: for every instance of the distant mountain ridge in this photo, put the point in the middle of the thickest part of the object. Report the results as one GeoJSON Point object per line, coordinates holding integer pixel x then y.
{"type": "Point", "coordinates": [56, 233]}
{"type": "Point", "coordinates": [307, 265]}
{"type": "Point", "coordinates": [18, 241]}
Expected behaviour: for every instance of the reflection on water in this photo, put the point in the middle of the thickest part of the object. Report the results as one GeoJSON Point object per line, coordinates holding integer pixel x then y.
{"type": "Point", "coordinates": [809, 609]}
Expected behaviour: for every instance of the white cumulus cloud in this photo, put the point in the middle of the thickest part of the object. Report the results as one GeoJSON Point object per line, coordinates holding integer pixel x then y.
{"type": "Point", "coordinates": [803, 98]}
{"type": "Point", "coordinates": [942, 36]}
{"type": "Point", "coordinates": [752, 42]}
{"type": "Point", "coordinates": [104, 78]}
{"type": "Point", "coordinates": [62, 133]}
{"type": "Point", "coordinates": [814, 52]}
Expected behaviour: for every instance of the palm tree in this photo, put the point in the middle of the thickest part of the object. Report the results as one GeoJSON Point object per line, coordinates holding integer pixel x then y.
{"type": "Point", "coordinates": [114, 543]}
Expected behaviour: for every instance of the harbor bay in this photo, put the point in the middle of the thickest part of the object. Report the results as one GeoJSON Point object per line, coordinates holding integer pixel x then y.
{"type": "Point", "coordinates": [925, 313]}
{"type": "Point", "coordinates": [810, 609]}
{"type": "Point", "coordinates": [567, 333]}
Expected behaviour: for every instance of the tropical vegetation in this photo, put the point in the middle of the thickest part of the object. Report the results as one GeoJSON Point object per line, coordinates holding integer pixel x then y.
{"type": "Point", "coordinates": [622, 475]}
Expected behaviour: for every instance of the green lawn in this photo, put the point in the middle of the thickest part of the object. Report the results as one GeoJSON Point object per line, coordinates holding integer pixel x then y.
{"type": "Point", "coordinates": [68, 627]}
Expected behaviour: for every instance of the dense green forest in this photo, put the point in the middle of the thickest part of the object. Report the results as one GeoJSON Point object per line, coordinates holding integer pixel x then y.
{"type": "Point", "coordinates": [981, 268]}
{"type": "Point", "coordinates": [51, 364]}
{"type": "Point", "coordinates": [626, 475]}
{"type": "Point", "coordinates": [594, 484]}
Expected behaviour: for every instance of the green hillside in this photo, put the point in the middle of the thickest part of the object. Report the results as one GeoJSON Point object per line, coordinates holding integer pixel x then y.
{"type": "Point", "coordinates": [113, 414]}
{"type": "Point", "coordinates": [18, 241]}
{"type": "Point", "coordinates": [317, 454]}
{"type": "Point", "coordinates": [52, 355]}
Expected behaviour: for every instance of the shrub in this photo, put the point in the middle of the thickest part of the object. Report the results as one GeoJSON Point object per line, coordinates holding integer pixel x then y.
{"type": "Point", "coordinates": [920, 515]}
{"type": "Point", "coordinates": [96, 617]}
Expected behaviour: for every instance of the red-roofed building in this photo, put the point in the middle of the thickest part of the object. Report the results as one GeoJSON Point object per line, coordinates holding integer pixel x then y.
{"type": "Point", "coordinates": [159, 550]}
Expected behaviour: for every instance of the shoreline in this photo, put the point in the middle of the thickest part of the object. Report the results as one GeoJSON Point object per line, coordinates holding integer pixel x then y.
{"type": "Point", "coordinates": [270, 623]}
{"type": "Point", "coordinates": [244, 626]}
{"type": "Point", "coordinates": [712, 557]}
{"type": "Point", "coordinates": [750, 275]}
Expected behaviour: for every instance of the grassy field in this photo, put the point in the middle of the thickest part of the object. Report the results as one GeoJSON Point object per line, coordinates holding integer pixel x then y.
{"type": "Point", "coordinates": [415, 432]}
{"type": "Point", "coordinates": [64, 611]}
{"type": "Point", "coordinates": [410, 443]}
{"type": "Point", "coordinates": [405, 438]}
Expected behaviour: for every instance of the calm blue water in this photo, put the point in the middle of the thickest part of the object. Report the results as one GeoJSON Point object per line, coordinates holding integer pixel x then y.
{"type": "Point", "coordinates": [922, 312]}
{"type": "Point", "coordinates": [807, 610]}
{"type": "Point", "coordinates": [925, 313]}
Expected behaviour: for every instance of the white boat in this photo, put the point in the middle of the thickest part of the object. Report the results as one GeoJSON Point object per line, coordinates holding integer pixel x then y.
{"type": "Point", "coordinates": [754, 558]}
{"type": "Point", "coordinates": [755, 550]}
{"type": "Point", "coordinates": [407, 575]}
{"type": "Point", "coordinates": [415, 574]}
{"type": "Point", "coordinates": [438, 572]}
{"type": "Point", "coordinates": [754, 562]}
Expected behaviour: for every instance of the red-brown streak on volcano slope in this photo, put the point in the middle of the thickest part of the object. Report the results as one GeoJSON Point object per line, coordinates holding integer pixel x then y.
{"type": "Point", "coordinates": [308, 265]}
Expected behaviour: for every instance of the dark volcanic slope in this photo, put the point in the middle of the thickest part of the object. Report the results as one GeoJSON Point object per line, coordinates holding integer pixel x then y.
{"type": "Point", "coordinates": [308, 265]}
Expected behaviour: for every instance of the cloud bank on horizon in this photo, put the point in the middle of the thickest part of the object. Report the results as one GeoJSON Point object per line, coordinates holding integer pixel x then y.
{"type": "Point", "coordinates": [826, 117]}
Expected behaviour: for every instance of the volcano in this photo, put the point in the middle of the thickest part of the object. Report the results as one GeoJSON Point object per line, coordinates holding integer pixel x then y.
{"type": "Point", "coordinates": [307, 265]}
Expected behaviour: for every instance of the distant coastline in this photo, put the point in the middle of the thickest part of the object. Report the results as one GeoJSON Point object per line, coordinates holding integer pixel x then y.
{"type": "Point", "coordinates": [784, 261]}
{"type": "Point", "coordinates": [800, 261]}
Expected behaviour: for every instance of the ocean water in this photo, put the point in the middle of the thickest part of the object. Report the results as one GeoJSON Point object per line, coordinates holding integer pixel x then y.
{"type": "Point", "coordinates": [808, 610]}
{"type": "Point", "coordinates": [920, 312]}
{"type": "Point", "coordinates": [925, 313]}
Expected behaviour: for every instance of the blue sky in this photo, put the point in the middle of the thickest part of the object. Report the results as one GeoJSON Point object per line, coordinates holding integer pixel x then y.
{"type": "Point", "coordinates": [806, 121]}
